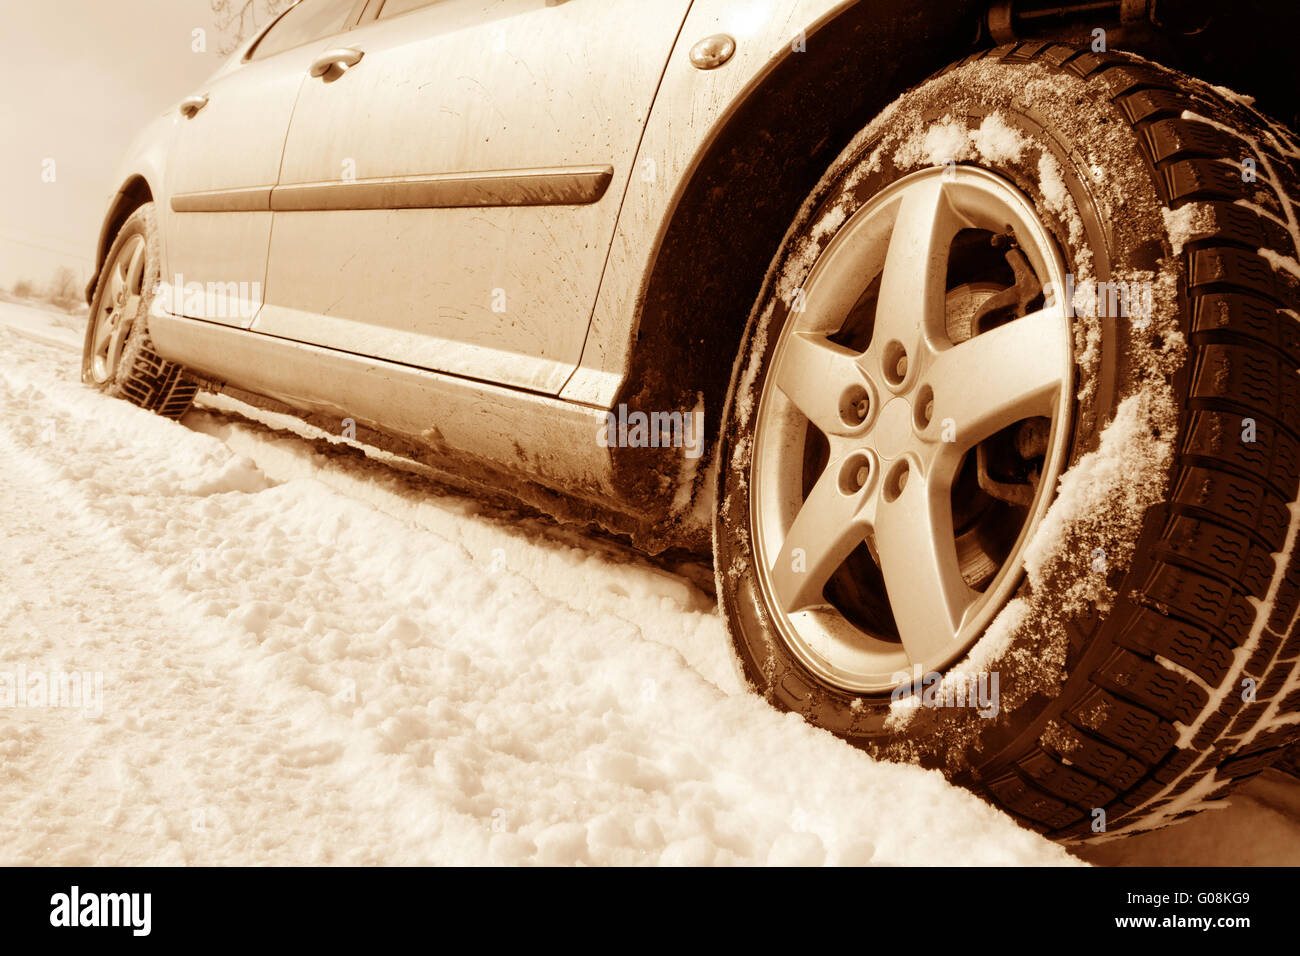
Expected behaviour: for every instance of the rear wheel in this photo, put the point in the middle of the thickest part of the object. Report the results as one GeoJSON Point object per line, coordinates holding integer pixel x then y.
{"type": "Point", "coordinates": [117, 356]}
{"type": "Point", "coordinates": [1011, 453]}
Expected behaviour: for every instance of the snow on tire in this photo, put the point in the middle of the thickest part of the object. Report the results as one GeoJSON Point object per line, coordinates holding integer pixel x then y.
{"type": "Point", "coordinates": [1124, 641]}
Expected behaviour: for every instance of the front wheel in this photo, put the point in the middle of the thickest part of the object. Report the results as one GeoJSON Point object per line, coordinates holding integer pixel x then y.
{"type": "Point", "coordinates": [1011, 452]}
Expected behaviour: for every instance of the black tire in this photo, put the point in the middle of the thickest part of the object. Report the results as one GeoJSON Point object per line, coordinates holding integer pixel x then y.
{"type": "Point", "coordinates": [1289, 762]}
{"type": "Point", "coordinates": [141, 376]}
{"type": "Point", "coordinates": [1134, 693]}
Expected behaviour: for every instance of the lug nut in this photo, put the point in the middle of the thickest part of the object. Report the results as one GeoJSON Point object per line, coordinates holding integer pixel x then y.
{"type": "Point", "coordinates": [900, 368]}
{"type": "Point", "coordinates": [896, 481]}
{"type": "Point", "coordinates": [854, 406]}
{"type": "Point", "coordinates": [855, 472]}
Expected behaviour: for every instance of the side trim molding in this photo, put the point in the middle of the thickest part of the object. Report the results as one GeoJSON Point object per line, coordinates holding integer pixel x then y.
{"type": "Point", "coordinates": [255, 199]}
{"type": "Point", "coordinates": [552, 186]}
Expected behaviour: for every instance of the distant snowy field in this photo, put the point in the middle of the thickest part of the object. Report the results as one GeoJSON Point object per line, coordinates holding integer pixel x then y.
{"type": "Point", "coordinates": [310, 657]}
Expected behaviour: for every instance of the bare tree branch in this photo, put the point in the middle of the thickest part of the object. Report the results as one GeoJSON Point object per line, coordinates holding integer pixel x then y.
{"type": "Point", "coordinates": [237, 20]}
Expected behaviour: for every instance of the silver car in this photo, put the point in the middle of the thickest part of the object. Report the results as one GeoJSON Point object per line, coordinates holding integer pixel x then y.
{"type": "Point", "coordinates": [981, 388]}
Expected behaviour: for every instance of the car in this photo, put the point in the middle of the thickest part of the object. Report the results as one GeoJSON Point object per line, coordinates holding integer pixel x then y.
{"type": "Point", "coordinates": [964, 341]}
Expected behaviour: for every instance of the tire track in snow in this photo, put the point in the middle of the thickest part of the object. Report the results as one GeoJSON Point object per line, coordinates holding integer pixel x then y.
{"type": "Point", "coordinates": [108, 773]}
{"type": "Point", "coordinates": [585, 574]}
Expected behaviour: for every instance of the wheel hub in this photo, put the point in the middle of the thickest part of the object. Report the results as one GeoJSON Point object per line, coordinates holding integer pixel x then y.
{"type": "Point", "coordinates": [893, 431]}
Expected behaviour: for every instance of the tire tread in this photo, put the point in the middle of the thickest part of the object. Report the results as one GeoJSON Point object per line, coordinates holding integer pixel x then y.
{"type": "Point", "coordinates": [1175, 638]}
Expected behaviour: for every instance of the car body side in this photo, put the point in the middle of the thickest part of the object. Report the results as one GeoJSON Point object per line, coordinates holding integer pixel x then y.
{"type": "Point", "coordinates": [732, 152]}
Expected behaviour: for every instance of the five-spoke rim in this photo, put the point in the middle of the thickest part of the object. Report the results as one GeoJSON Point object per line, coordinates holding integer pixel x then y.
{"type": "Point", "coordinates": [119, 306]}
{"type": "Point", "coordinates": [898, 417]}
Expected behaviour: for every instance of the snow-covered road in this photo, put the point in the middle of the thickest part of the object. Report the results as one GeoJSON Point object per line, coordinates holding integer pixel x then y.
{"type": "Point", "coordinates": [305, 656]}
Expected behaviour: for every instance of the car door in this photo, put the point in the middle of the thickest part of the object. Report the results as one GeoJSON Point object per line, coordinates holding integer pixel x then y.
{"type": "Point", "coordinates": [448, 200]}
{"type": "Point", "coordinates": [225, 161]}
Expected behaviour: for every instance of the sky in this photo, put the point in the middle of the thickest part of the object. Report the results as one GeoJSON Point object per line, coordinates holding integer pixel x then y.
{"type": "Point", "coordinates": [80, 78]}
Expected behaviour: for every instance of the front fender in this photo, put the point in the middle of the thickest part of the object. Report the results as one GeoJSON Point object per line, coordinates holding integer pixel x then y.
{"type": "Point", "coordinates": [141, 178]}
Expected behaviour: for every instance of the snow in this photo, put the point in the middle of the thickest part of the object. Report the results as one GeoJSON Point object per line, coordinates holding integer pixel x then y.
{"type": "Point", "coordinates": [939, 144]}
{"type": "Point", "coordinates": [1050, 179]}
{"type": "Point", "coordinates": [1280, 262]}
{"type": "Point", "coordinates": [311, 657]}
{"type": "Point", "coordinates": [1186, 223]}
{"type": "Point", "coordinates": [41, 325]}
{"type": "Point", "coordinates": [949, 141]}
{"type": "Point", "coordinates": [1233, 96]}
{"type": "Point", "coordinates": [997, 141]}
{"type": "Point", "coordinates": [828, 224]}
{"type": "Point", "coordinates": [1107, 485]}
{"type": "Point", "coordinates": [1057, 199]}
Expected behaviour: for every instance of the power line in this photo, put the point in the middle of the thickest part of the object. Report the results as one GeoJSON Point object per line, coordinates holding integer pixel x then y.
{"type": "Point", "coordinates": [30, 234]}
{"type": "Point", "coordinates": [60, 252]}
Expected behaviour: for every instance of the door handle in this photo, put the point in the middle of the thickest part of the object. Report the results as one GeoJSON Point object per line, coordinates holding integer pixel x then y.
{"type": "Point", "coordinates": [341, 59]}
{"type": "Point", "coordinates": [191, 105]}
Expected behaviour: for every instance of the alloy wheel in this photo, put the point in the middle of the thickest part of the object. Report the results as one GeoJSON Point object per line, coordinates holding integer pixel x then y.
{"type": "Point", "coordinates": [119, 307]}
{"type": "Point", "coordinates": [912, 427]}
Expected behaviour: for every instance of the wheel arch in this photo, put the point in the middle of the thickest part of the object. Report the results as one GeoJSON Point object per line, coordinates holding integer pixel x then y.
{"type": "Point", "coordinates": [130, 196]}
{"type": "Point", "coordinates": [773, 146]}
